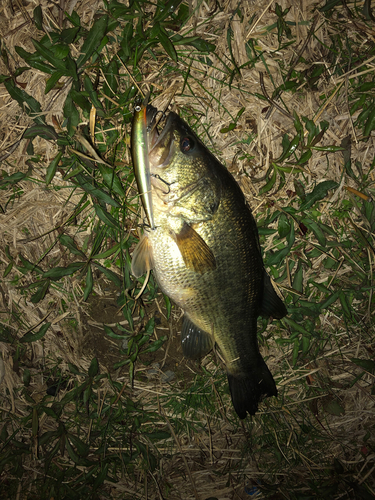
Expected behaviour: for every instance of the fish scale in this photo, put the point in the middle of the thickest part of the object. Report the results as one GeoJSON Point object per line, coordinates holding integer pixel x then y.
{"type": "Point", "coordinates": [205, 255]}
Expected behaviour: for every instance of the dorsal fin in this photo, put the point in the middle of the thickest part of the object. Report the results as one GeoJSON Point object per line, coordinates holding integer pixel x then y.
{"type": "Point", "coordinates": [142, 260]}
{"type": "Point", "coordinates": [194, 250]}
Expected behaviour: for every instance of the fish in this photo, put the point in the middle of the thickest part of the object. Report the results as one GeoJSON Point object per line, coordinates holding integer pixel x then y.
{"type": "Point", "coordinates": [205, 253]}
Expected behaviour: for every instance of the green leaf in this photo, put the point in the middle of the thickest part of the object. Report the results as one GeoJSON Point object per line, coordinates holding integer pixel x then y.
{"type": "Point", "coordinates": [51, 82]}
{"type": "Point", "coordinates": [71, 68]}
{"type": "Point", "coordinates": [81, 100]}
{"type": "Point", "coordinates": [111, 180]}
{"type": "Point", "coordinates": [68, 35]}
{"type": "Point", "coordinates": [112, 334]}
{"type": "Point", "coordinates": [106, 217]}
{"type": "Point", "coordinates": [49, 56]}
{"type": "Point", "coordinates": [230, 127]}
{"type": "Point", "coordinates": [89, 283]}
{"type": "Point", "coordinates": [366, 364]}
{"type": "Point", "coordinates": [167, 44]}
{"type": "Point", "coordinates": [168, 305]}
{"type": "Point", "coordinates": [47, 437]}
{"type": "Point", "coordinates": [165, 9]}
{"type": "Point", "coordinates": [149, 328]}
{"type": "Point", "coordinates": [41, 292]}
{"type": "Point", "coordinates": [283, 226]}
{"type": "Point", "coordinates": [51, 454]}
{"type": "Point", "coordinates": [81, 447]}
{"type": "Point", "coordinates": [108, 253]}
{"type": "Point", "coordinates": [44, 131]}
{"type": "Point", "coordinates": [60, 51]}
{"type": "Point", "coordinates": [98, 193]}
{"type": "Point", "coordinates": [93, 40]}
{"type": "Point", "coordinates": [269, 184]}
{"type": "Point", "coordinates": [73, 369]}
{"type": "Point", "coordinates": [194, 41]}
{"type": "Point", "coordinates": [305, 157]}
{"type": "Point", "coordinates": [35, 60]}
{"type": "Point", "coordinates": [276, 257]}
{"type": "Point", "coordinates": [59, 272]}
{"type": "Point", "coordinates": [30, 105]}
{"type": "Point", "coordinates": [52, 167]}
{"type": "Point", "coordinates": [72, 454]}
{"type": "Point", "coordinates": [32, 337]}
{"type": "Point", "coordinates": [345, 305]}
{"type": "Point", "coordinates": [93, 94]}
{"type": "Point", "coordinates": [318, 193]}
{"type": "Point", "coordinates": [71, 114]}
{"type": "Point", "coordinates": [8, 269]}
{"type": "Point", "coordinates": [300, 189]}
{"type": "Point", "coordinates": [370, 122]}
{"type": "Point", "coordinates": [110, 85]}
{"type": "Point", "coordinates": [298, 278]}
{"type": "Point", "coordinates": [68, 242]}
{"type": "Point", "coordinates": [127, 35]}
{"type": "Point", "coordinates": [38, 17]}
{"type": "Point", "coordinates": [29, 266]}
{"type": "Point", "coordinates": [333, 407]}
{"type": "Point", "coordinates": [74, 18]}
{"type": "Point", "coordinates": [12, 179]}
{"type": "Point", "coordinates": [34, 423]}
{"type": "Point", "coordinates": [367, 12]}
{"type": "Point", "coordinates": [157, 436]}
{"type": "Point", "coordinates": [325, 304]}
{"type": "Point", "coordinates": [305, 344]}
{"type": "Point", "coordinates": [101, 477]}
{"type": "Point", "coordinates": [289, 149]}
{"type": "Point", "coordinates": [155, 345]}
{"type": "Point", "coordinates": [315, 228]}
{"type": "Point", "coordinates": [93, 368]}
{"type": "Point", "coordinates": [296, 327]}
{"type": "Point", "coordinates": [26, 377]}
{"type": "Point", "coordinates": [110, 274]}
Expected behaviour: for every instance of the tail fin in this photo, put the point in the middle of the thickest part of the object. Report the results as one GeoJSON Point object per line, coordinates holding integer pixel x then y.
{"type": "Point", "coordinates": [248, 389]}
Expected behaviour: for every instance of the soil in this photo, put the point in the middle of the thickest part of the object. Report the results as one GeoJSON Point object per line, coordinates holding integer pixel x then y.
{"type": "Point", "coordinates": [168, 362]}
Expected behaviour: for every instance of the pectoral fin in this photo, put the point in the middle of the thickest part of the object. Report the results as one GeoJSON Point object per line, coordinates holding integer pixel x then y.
{"type": "Point", "coordinates": [195, 342]}
{"type": "Point", "coordinates": [142, 260]}
{"type": "Point", "coordinates": [194, 250]}
{"type": "Point", "coordinates": [272, 305]}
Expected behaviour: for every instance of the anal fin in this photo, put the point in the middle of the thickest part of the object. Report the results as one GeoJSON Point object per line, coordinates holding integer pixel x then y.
{"type": "Point", "coordinates": [272, 305]}
{"type": "Point", "coordinates": [194, 250]}
{"type": "Point", "coordinates": [195, 342]}
{"type": "Point", "coordinates": [142, 260]}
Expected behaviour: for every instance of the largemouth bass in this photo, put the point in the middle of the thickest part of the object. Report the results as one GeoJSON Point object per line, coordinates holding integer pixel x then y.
{"type": "Point", "coordinates": [205, 254]}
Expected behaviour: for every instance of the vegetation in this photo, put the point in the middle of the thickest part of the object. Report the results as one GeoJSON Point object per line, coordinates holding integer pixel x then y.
{"type": "Point", "coordinates": [286, 99]}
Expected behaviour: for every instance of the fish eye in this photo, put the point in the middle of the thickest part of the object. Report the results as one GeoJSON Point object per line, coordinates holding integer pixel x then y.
{"type": "Point", "coordinates": [186, 144]}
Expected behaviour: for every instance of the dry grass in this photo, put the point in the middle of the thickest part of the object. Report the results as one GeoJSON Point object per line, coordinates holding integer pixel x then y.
{"type": "Point", "coordinates": [324, 419]}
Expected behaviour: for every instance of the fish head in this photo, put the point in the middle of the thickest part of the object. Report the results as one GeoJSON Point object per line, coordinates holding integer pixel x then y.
{"type": "Point", "coordinates": [185, 176]}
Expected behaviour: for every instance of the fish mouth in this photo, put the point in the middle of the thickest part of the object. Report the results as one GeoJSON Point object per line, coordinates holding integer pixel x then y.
{"type": "Point", "coordinates": [161, 146]}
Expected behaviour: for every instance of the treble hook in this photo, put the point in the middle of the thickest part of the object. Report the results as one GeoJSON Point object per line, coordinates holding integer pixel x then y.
{"type": "Point", "coordinates": [169, 184]}
{"type": "Point", "coordinates": [153, 123]}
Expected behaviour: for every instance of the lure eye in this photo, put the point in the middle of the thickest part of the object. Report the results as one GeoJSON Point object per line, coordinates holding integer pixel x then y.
{"type": "Point", "coordinates": [186, 144]}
